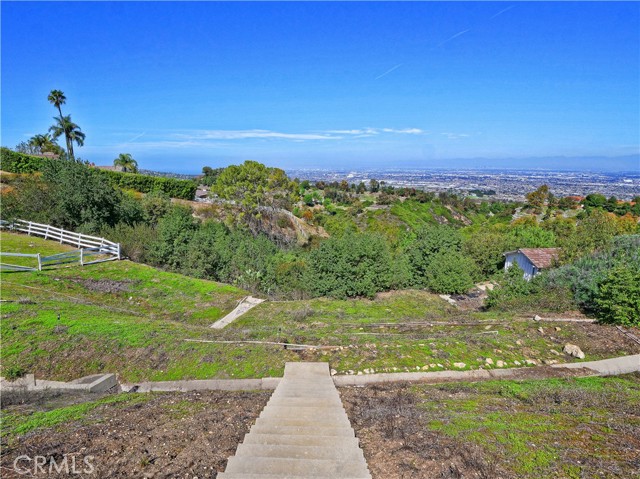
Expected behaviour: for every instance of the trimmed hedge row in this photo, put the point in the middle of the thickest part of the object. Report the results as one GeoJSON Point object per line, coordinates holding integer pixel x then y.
{"type": "Point", "coordinates": [183, 189]}
{"type": "Point", "coordinates": [14, 162]}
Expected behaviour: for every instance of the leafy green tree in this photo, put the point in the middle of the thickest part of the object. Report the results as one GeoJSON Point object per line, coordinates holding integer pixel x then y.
{"type": "Point", "coordinates": [210, 175]}
{"type": "Point", "coordinates": [350, 265]}
{"type": "Point", "coordinates": [154, 206]}
{"type": "Point", "coordinates": [81, 197]}
{"type": "Point", "coordinates": [538, 197]}
{"type": "Point", "coordinates": [618, 298]}
{"type": "Point", "coordinates": [175, 231]}
{"type": "Point", "coordinates": [595, 200]}
{"type": "Point", "coordinates": [486, 248]}
{"type": "Point", "coordinates": [126, 161]}
{"type": "Point", "coordinates": [252, 185]}
{"type": "Point", "coordinates": [71, 131]}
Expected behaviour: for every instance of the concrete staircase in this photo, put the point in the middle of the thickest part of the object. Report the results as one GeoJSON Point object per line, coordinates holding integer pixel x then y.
{"type": "Point", "coordinates": [303, 432]}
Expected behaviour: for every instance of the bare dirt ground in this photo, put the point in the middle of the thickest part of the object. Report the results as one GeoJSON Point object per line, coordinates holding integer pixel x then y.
{"type": "Point", "coordinates": [171, 435]}
{"type": "Point", "coordinates": [548, 430]}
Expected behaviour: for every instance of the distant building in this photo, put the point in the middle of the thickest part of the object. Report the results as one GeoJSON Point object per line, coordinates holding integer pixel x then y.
{"type": "Point", "coordinates": [531, 260]}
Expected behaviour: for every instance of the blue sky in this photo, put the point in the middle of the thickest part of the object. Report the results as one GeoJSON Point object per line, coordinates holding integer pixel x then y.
{"type": "Point", "coordinates": [356, 84]}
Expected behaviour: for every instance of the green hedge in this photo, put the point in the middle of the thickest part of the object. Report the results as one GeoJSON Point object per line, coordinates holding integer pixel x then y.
{"type": "Point", "coordinates": [184, 189]}
{"type": "Point", "coordinates": [14, 162]}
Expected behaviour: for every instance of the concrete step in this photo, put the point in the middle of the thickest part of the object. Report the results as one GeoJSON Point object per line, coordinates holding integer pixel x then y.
{"type": "Point", "coordinates": [300, 452]}
{"type": "Point", "coordinates": [302, 430]}
{"type": "Point", "coordinates": [299, 440]}
{"type": "Point", "coordinates": [306, 370]}
{"type": "Point", "coordinates": [304, 402]}
{"type": "Point", "coordinates": [295, 421]}
{"type": "Point", "coordinates": [234, 475]}
{"type": "Point", "coordinates": [297, 467]}
{"type": "Point", "coordinates": [303, 411]}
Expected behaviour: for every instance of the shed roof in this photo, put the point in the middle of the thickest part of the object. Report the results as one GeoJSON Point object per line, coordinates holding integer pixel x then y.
{"type": "Point", "coordinates": [540, 257]}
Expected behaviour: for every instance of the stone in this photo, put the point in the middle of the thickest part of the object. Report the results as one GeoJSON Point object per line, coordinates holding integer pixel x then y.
{"type": "Point", "coordinates": [440, 365]}
{"type": "Point", "coordinates": [555, 352]}
{"type": "Point", "coordinates": [432, 365]}
{"type": "Point", "coordinates": [517, 363]}
{"type": "Point", "coordinates": [500, 363]}
{"type": "Point", "coordinates": [541, 331]}
{"type": "Point", "coordinates": [537, 318]}
{"type": "Point", "coordinates": [573, 350]}
{"type": "Point", "coordinates": [558, 328]}
{"type": "Point", "coordinates": [425, 367]}
{"type": "Point", "coordinates": [334, 372]}
{"type": "Point", "coordinates": [459, 365]}
{"type": "Point", "coordinates": [519, 343]}
{"type": "Point", "coordinates": [531, 362]}
{"type": "Point", "coordinates": [488, 361]}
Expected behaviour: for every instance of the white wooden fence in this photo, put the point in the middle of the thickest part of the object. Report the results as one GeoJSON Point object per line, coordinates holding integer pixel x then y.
{"type": "Point", "coordinates": [87, 245]}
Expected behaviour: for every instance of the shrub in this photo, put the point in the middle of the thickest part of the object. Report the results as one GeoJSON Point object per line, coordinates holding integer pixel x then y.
{"type": "Point", "coordinates": [174, 188]}
{"type": "Point", "coordinates": [450, 272]}
{"type": "Point", "coordinates": [350, 265]}
{"type": "Point", "coordinates": [429, 242]}
{"type": "Point", "coordinates": [19, 162]}
{"type": "Point", "coordinates": [618, 296]}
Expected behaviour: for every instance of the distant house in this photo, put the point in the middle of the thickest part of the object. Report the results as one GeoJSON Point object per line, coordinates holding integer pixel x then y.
{"type": "Point", "coordinates": [531, 260]}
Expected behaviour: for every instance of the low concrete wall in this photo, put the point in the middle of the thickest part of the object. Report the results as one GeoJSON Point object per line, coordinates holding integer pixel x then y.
{"type": "Point", "coordinates": [95, 384]}
{"type": "Point", "coordinates": [208, 384]}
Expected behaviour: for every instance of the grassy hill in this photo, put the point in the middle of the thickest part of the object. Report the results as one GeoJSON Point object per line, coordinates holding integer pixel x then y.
{"type": "Point", "coordinates": [133, 320]}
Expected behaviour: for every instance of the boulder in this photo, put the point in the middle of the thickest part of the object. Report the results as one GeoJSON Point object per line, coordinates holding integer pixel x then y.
{"type": "Point", "coordinates": [573, 350]}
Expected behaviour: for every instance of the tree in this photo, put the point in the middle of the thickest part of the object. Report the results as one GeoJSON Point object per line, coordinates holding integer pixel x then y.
{"type": "Point", "coordinates": [71, 131]}
{"type": "Point", "coordinates": [57, 98]}
{"type": "Point", "coordinates": [43, 144]}
{"type": "Point", "coordinates": [449, 272]}
{"type": "Point", "coordinates": [252, 185]}
{"type": "Point", "coordinates": [538, 197]}
{"type": "Point", "coordinates": [374, 186]}
{"type": "Point", "coordinates": [428, 243]}
{"type": "Point", "coordinates": [126, 161]}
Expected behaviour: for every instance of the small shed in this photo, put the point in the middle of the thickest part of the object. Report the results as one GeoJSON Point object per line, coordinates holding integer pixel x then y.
{"type": "Point", "coordinates": [531, 260]}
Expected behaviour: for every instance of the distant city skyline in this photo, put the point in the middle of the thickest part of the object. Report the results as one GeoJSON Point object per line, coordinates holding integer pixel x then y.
{"type": "Point", "coordinates": [552, 85]}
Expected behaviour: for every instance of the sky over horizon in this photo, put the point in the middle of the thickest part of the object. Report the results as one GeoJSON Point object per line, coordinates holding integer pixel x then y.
{"type": "Point", "coordinates": [325, 85]}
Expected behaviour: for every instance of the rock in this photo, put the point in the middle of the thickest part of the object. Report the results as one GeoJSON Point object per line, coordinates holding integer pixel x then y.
{"type": "Point", "coordinates": [549, 361]}
{"type": "Point", "coordinates": [531, 362]}
{"type": "Point", "coordinates": [425, 367]}
{"type": "Point", "coordinates": [459, 365]}
{"type": "Point", "coordinates": [537, 318]}
{"type": "Point", "coordinates": [359, 373]}
{"type": "Point", "coordinates": [432, 365]}
{"type": "Point", "coordinates": [558, 328]}
{"type": "Point", "coordinates": [334, 372]}
{"type": "Point", "coordinates": [500, 363]}
{"type": "Point", "coordinates": [519, 343]}
{"type": "Point", "coordinates": [517, 363]}
{"type": "Point", "coordinates": [440, 365]}
{"type": "Point", "coordinates": [555, 352]}
{"type": "Point", "coordinates": [541, 331]}
{"type": "Point", "coordinates": [487, 327]}
{"type": "Point", "coordinates": [488, 361]}
{"type": "Point", "coordinates": [573, 350]}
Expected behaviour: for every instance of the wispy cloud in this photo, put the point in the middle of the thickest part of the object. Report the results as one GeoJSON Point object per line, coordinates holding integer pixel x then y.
{"type": "Point", "coordinates": [454, 136]}
{"type": "Point", "coordinates": [251, 134]}
{"type": "Point", "coordinates": [389, 71]}
{"type": "Point", "coordinates": [377, 131]}
{"type": "Point", "coordinates": [454, 36]}
{"type": "Point", "coordinates": [503, 11]}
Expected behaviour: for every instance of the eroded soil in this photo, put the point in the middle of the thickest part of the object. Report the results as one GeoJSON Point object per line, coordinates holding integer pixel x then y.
{"type": "Point", "coordinates": [170, 435]}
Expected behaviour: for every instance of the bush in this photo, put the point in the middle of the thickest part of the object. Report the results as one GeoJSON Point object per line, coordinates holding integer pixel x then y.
{"type": "Point", "coordinates": [618, 297]}
{"type": "Point", "coordinates": [174, 188]}
{"type": "Point", "coordinates": [429, 242]}
{"type": "Point", "coordinates": [350, 265]}
{"type": "Point", "coordinates": [19, 162]}
{"type": "Point", "coordinates": [135, 240]}
{"type": "Point", "coordinates": [450, 272]}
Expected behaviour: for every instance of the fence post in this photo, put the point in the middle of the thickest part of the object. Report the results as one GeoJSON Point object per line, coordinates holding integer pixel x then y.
{"type": "Point", "coordinates": [119, 251]}
{"type": "Point", "coordinates": [39, 263]}
{"type": "Point", "coordinates": [29, 229]}
{"type": "Point", "coordinates": [81, 256]}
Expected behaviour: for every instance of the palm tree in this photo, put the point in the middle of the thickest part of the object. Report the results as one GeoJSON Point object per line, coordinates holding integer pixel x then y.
{"type": "Point", "coordinates": [126, 161]}
{"type": "Point", "coordinates": [44, 143]}
{"type": "Point", "coordinates": [71, 131]}
{"type": "Point", "coordinates": [57, 98]}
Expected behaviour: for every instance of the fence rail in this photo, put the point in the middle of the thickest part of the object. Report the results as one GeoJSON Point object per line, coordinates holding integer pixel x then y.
{"type": "Point", "coordinates": [87, 245]}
